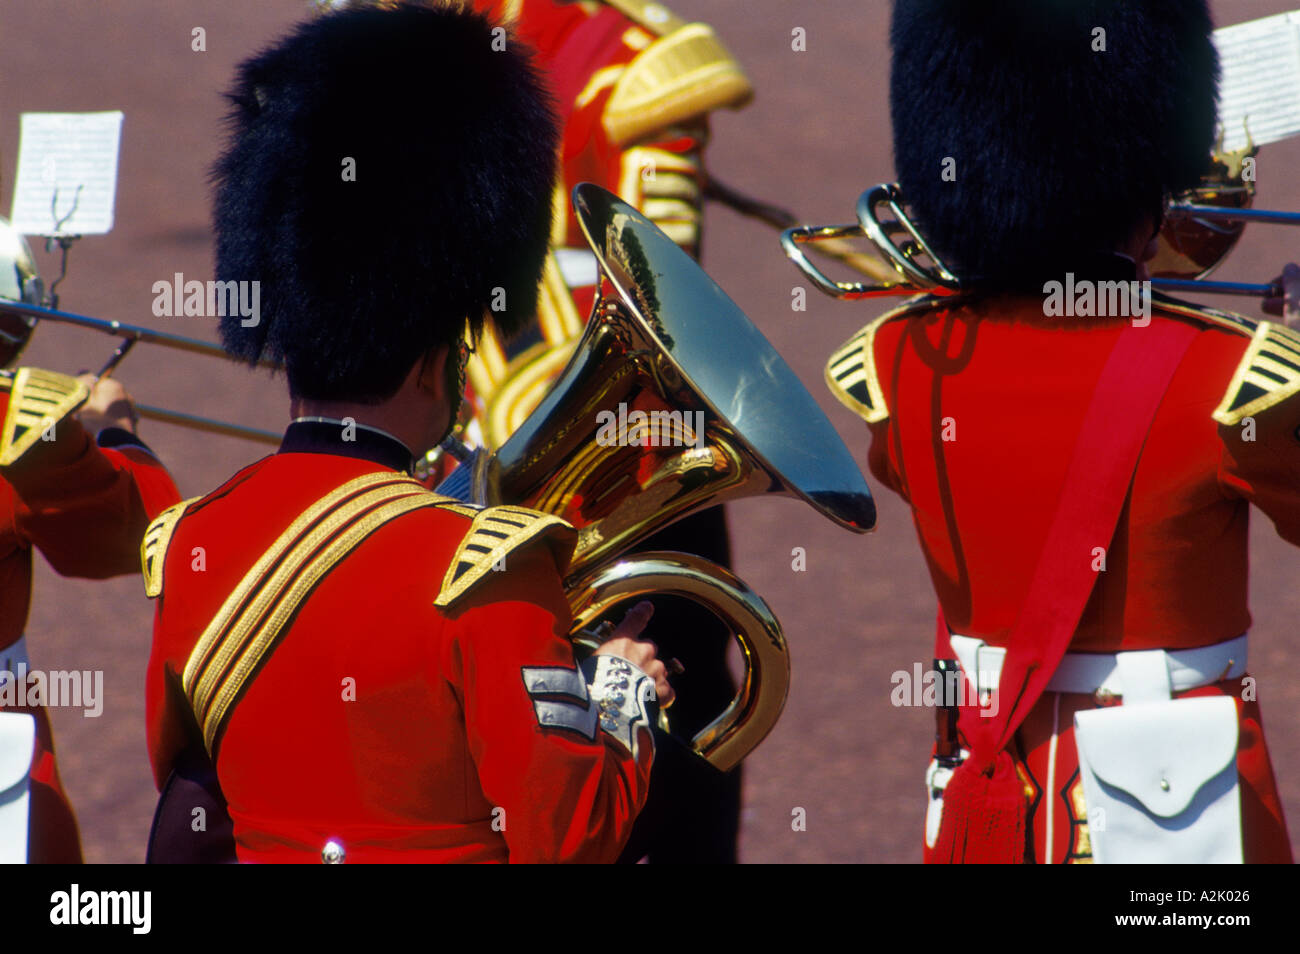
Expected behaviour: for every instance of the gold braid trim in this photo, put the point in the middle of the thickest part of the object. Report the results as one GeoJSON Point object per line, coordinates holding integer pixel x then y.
{"type": "Point", "coordinates": [1268, 374]}
{"type": "Point", "coordinates": [249, 623]}
{"type": "Point", "coordinates": [37, 400]}
{"type": "Point", "coordinates": [494, 533]}
{"type": "Point", "coordinates": [680, 76]}
{"type": "Point", "coordinates": [153, 548]}
{"type": "Point", "coordinates": [851, 370]}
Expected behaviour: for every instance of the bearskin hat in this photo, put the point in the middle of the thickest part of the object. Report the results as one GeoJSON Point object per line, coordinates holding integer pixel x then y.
{"type": "Point", "coordinates": [1031, 133]}
{"type": "Point", "coordinates": [388, 177]}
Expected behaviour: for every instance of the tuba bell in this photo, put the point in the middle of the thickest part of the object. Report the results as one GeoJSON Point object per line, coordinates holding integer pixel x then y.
{"type": "Point", "coordinates": [672, 402]}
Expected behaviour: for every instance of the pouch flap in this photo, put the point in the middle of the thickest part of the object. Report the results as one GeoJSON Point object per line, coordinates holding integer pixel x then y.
{"type": "Point", "coordinates": [17, 743]}
{"type": "Point", "coordinates": [1161, 753]}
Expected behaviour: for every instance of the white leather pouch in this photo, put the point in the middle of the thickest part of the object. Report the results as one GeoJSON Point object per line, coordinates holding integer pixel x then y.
{"type": "Point", "coordinates": [1160, 781]}
{"type": "Point", "coordinates": [17, 743]}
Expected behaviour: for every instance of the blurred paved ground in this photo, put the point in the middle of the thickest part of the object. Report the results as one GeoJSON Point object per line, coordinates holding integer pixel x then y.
{"type": "Point", "coordinates": [816, 135]}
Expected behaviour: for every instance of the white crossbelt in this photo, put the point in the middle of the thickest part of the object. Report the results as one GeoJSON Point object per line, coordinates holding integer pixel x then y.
{"type": "Point", "coordinates": [13, 655]}
{"type": "Point", "coordinates": [1139, 675]}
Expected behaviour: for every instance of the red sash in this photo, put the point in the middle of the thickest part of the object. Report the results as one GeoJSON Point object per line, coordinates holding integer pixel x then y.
{"type": "Point", "coordinates": [985, 811]}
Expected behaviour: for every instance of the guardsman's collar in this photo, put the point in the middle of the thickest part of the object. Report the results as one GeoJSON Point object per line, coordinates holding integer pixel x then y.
{"type": "Point", "coordinates": [1098, 267]}
{"type": "Point", "coordinates": [326, 435]}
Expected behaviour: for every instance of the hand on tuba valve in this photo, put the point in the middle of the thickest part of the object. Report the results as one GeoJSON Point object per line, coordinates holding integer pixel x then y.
{"type": "Point", "coordinates": [649, 422]}
{"type": "Point", "coordinates": [623, 641]}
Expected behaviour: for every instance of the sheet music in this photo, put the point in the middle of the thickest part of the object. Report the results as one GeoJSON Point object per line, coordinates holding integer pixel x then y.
{"type": "Point", "coordinates": [67, 163]}
{"type": "Point", "coordinates": [1260, 82]}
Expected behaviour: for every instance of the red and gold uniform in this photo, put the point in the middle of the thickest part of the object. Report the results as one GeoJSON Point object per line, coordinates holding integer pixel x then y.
{"type": "Point", "coordinates": [422, 705]}
{"type": "Point", "coordinates": [974, 409]}
{"type": "Point", "coordinates": [85, 506]}
{"type": "Point", "coordinates": [634, 85]}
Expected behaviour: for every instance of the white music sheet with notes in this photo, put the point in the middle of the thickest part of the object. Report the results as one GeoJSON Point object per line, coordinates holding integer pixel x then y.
{"type": "Point", "coordinates": [1260, 84]}
{"type": "Point", "coordinates": [66, 182]}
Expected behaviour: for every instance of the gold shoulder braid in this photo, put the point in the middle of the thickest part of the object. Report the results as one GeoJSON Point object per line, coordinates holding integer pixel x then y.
{"type": "Point", "coordinates": [494, 533]}
{"type": "Point", "coordinates": [247, 627]}
{"type": "Point", "coordinates": [684, 74]}
{"type": "Point", "coordinates": [37, 400]}
{"type": "Point", "coordinates": [153, 548]}
{"type": "Point", "coordinates": [1268, 374]}
{"type": "Point", "coordinates": [851, 370]}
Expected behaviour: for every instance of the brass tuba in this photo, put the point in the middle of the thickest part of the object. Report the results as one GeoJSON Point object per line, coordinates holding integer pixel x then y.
{"type": "Point", "coordinates": [672, 402]}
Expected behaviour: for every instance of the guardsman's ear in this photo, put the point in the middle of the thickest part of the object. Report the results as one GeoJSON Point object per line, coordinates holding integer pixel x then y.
{"type": "Point", "coordinates": [433, 372]}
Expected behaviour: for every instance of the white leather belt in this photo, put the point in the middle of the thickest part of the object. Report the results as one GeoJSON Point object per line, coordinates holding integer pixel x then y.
{"type": "Point", "coordinates": [14, 655]}
{"type": "Point", "coordinates": [1142, 675]}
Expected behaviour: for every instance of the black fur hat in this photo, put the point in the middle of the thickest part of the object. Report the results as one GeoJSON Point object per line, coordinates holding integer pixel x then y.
{"type": "Point", "coordinates": [1059, 145]}
{"type": "Point", "coordinates": [453, 141]}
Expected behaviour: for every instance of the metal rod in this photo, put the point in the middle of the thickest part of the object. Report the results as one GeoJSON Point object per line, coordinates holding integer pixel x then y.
{"type": "Point", "coordinates": [1235, 215]}
{"type": "Point", "coordinates": [116, 357]}
{"type": "Point", "coordinates": [1201, 287]}
{"type": "Point", "coordinates": [134, 333]}
{"type": "Point", "coordinates": [120, 330]}
{"type": "Point", "coordinates": [773, 215]}
{"type": "Point", "coordinates": [208, 424]}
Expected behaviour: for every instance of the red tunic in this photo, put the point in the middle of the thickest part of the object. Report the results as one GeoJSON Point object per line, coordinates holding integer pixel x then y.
{"type": "Point", "coordinates": [973, 418]}
{"type": "Point", "coordinates": [436, 754]}
{"type": "Point", "coordinates": [85, 508]}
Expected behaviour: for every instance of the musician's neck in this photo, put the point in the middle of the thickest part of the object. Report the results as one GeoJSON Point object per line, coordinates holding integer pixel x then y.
{"type": "Point", "coordinates": [416, 415]}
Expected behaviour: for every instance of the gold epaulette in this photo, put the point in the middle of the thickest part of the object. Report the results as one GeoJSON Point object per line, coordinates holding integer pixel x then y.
{"type": "Point", "coordinates": [37, 400]}
{"type": "Point", "coordinates": [851, 370]}
{"type": "Point", "coordinates": [494, 533]}
{"type": "Point", "coordinates": [684, 74]}
{"type": "Point", "coordinates": [1268, 374]}
{"type": "Point", "coordinates": [153, 548]}
{"type": "Point", "coordinates": [1269, 371]}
